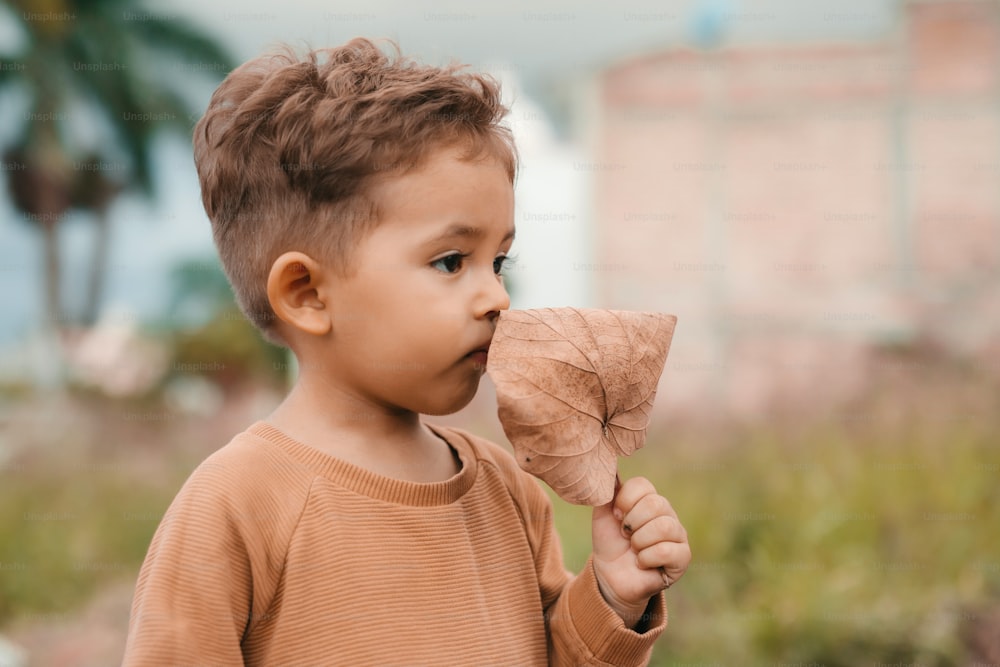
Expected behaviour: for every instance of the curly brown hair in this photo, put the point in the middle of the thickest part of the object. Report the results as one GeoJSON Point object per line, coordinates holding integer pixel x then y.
{"type": "Point", "coordinates": [289, 149]}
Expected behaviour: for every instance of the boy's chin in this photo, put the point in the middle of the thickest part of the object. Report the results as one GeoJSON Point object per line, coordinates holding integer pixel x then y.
{"type": "Point", "coordinates": [449, 406]}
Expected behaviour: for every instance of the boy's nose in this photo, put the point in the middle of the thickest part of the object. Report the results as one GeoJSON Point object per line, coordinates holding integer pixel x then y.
{"type": "Point", "coordinates": [493, 299]}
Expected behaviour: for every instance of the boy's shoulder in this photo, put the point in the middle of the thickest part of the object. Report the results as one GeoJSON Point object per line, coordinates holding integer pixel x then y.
{"type": "Point", "coordinates": [246, 475]}
{"type": "Point", "coordinates": [248, 458]}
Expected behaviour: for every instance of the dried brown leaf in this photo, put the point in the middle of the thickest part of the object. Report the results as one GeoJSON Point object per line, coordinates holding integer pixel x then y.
{"type": "Point", "coordinates": [575, 389]}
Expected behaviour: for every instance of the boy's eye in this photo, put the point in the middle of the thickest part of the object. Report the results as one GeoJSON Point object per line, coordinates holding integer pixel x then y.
{"type": "Point", "coordinates": [449, 263]}
{"type": "Point", "coordinates": [500, 262]}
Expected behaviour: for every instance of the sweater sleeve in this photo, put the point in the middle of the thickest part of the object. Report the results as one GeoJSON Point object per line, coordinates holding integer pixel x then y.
{"type": "Point", "coordinates": [582, 628]}
{"type": "Point", "coordinates": [193, 597]}
{"type": "Point", "coordinates": [216, 558]}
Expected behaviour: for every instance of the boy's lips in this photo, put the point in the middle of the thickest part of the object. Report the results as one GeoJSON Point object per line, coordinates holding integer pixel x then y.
{"type": "Point", "coordinates": [480, 354]}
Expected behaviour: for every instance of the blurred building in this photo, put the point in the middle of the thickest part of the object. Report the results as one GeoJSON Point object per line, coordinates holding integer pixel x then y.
{"type": "Point", "coordinates": [804, 207]}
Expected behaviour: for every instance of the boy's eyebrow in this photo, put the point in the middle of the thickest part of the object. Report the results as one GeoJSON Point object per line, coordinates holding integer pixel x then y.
{"type": "Point", "coordinates": [467, 231]}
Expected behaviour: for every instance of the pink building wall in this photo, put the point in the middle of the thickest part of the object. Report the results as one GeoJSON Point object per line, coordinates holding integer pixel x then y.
{"type": "Point", "coordinates": [800, 207]}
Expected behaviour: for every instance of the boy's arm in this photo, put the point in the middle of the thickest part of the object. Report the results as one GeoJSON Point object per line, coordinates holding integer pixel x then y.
{"type": "Point", "coordinates": [193, 597]}
{"type": "Point", "coordinates": [582, 628]}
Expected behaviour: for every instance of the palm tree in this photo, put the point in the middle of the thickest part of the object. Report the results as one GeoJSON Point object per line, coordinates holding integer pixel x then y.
{"type": "Point", "coordinates": [100, 79]}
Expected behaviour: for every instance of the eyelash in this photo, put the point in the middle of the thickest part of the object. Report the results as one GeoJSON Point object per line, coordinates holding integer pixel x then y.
{"type": "Point", "coordinates": [505, 262]}
{"type": "Point", "coordinates": [499, 263]}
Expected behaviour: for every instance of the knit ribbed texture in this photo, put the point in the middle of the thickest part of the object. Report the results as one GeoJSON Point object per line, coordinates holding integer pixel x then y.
{"type": "Point", "coordinates": [274, 553]}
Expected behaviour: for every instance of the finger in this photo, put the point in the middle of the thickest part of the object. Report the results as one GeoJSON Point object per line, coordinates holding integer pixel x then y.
{"type": "Point", "coordinates": [659, 529]}
{"type": "Point", "coordinates": [673, 557]}
{"type": "Point", "coordinates": [631, 491]}
{"type": "Point", "coordinates": [604, 525]}
{"type": "Point", "coordinates": [608, 541]}
{"type": "Point", "coordinates": [648, 508]}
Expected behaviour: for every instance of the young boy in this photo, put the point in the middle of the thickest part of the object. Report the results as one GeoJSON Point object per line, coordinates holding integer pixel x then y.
{"type": "Point", "coordinates": [363, 209]}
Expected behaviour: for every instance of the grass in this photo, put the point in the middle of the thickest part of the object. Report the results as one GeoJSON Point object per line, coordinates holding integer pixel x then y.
{"type": "Point", "coordinates": [835, 546]}
{"type": "Point", "coordinates": [845, 542]}
{"type": "Point", "coordinates": [65, 532]}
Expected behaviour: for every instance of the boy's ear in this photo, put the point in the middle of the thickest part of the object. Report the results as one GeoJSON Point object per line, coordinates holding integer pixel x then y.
{"type": "Point", "coordinates": [298, 295]}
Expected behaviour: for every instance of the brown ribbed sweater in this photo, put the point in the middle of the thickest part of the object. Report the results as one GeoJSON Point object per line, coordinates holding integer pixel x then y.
{"type": "Point", "coordinates": [274, 553]}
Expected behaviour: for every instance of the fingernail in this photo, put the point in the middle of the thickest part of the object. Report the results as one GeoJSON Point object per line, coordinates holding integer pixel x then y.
{"type": "Point", "coordinates": [618, 513]}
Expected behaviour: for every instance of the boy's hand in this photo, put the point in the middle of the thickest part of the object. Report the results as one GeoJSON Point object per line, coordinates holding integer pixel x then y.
{"type": "Point", "coordinates": [640, 548]}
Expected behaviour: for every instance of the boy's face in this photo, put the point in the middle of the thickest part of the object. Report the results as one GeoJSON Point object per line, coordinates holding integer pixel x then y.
{"type": "Point", "coordinates": [413, 320]}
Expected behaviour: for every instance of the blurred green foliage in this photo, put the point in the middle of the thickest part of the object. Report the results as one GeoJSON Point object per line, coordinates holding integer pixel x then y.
{"type": "Point", "coordinates": [847, 542]}
{"type": "Point", "coordinates": [211, 337]}
{"type": "Point", "coordinates": [230, 352]}
{"type": "Point", "coordinates": [63, 533]}
{"type": "Point", "coordinates": [835, 546]}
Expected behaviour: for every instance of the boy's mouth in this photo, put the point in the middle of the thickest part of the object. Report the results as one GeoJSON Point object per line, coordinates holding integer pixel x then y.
{"type": "Point", "coordinates": [480, 354]}
{"type": "Point", "coordinates": [478, 357]}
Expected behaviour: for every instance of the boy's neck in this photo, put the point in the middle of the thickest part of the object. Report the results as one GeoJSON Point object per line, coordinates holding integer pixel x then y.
{"type": "Point", "coordinates": [394, 444]}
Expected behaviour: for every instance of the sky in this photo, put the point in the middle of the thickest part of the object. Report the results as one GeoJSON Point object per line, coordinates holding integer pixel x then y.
{"type": "Point", "coordinates": [543, 50]}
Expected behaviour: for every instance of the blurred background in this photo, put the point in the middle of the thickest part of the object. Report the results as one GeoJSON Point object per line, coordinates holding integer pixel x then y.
{"type": "Point", "coordinates": [812, 188]}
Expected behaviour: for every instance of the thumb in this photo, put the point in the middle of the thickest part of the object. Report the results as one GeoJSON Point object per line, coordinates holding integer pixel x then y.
{"type": "Point", "coordinates": [606, 530]}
